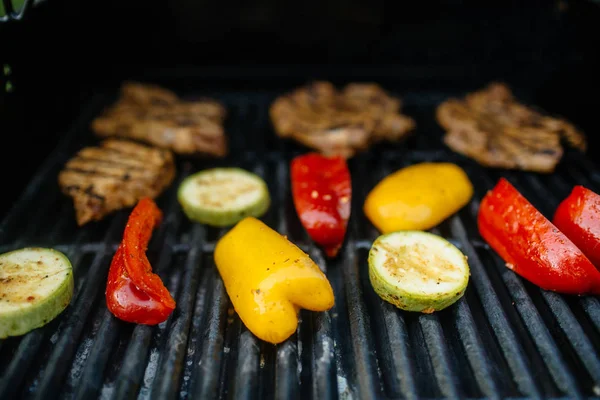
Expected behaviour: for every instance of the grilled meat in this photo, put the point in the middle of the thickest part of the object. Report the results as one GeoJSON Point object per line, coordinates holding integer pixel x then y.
{"type": "Point", "coordinates": [154, 115]}
{"type": "Point", "coordinates": [339, 122]}
{"type": "Point", "coordinates": [114, 175]}
{"type": "Point", "coordinates": [491, 127]}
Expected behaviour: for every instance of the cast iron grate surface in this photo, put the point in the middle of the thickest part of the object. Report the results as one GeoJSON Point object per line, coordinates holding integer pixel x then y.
{"type": "Point", "coordinates": [505, 338]}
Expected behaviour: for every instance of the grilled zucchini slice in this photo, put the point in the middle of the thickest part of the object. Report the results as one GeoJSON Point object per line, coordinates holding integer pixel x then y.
{"type": "Point", "coordinates": [223, 196]}
{"type": "Point", "coordinates": [417, 271]}
{"type": "Point", "coordinates": [36, 285]}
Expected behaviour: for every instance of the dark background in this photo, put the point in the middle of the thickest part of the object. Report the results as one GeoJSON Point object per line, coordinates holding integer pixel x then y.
{"type": "Point", "coordinates": [65, 50]}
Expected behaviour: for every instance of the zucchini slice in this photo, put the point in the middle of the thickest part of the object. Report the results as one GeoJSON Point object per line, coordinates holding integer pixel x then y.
{"type": "Point", "coordinates": [36, 284]}
{"type": "Point", "coordinates": [223, 196]}
{"type": "Point", "coordinates": [417, 271]}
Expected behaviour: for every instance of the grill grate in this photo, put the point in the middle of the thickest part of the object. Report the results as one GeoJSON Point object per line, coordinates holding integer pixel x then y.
{"type": "Point", "coordinates": [505, 338]}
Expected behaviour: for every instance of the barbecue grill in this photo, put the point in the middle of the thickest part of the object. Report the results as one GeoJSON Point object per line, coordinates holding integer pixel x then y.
{"type": "Point", "coordinates": [506, 338]}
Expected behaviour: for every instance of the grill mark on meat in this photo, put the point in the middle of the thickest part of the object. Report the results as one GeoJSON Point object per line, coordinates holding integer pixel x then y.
{"type": "Point", "coordinates": [100, 187]}
{"type": "Point", "coordinates": [95, 172]}
{"type": "Point", "coordinates": [107, 172]}
{"type": "Point", "coordinates": [98, 179]}
{"type": "Point", "coordinates": [108, 152]}
{"type": "Point", "coordinates": [88, 191]}
{"type": "Point", "coordinates": [156, 116]}
{"type": "Point", "coordinates": [339, 122]}
{"type": "Point", "coordinates": [495, 130]}
{"type": "Point", "coordinates": [130, 156]}
{"type": "Point", "coordinates": [110, 163]}
{"type": "Point", "coordinates": [136, 157]}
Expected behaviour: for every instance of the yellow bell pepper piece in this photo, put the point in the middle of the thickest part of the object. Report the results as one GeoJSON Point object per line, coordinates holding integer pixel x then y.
{"type": "Point", "coordinates": [269, 279]}
{"type": "Point", "coordinates": [418, 197]}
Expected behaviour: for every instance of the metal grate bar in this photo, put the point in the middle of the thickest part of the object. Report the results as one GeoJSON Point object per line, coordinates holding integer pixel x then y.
{"type": "Point", "coordinates": [245, 379]}
{"type": "Point", "coordinates": [590, 178]}
{"type": "Point", "coordinates": [132, 370]}
{"type": "Point", "coordinates": [592, 308]}
{"type": "Point", "coordinates": [208, 366]}
{"type": "Point", "coordinates": [473, 347]}
{"type": "Point", "coordinates": [476, 354]}
{"type": "Point", "coordinates": [438, 351]}
{"type": "Point", "coordinates": [266, 376]}
{"type": "Point", "coordinates": [198, 327]}
{"type": "Point", "coordinates": [167, 380]}
{"type": "Point", "coordinates": [589, 165]}
{"type": "Point", "coordinates": [232, 332]}
{"type": "Point", "coordinates": [396, 353]}
{"type": "Point", "coordinates": [322, 360]}
{"type": "Point", "coordinates": [540, 335]}
{"type": "Point", "coordinates": [63, 351]}
{"type": "Point", "coordinates": [91, 379]}
{"type": "Point", "coordinates": [507, 339]}
{"type": "Point", "coordinates": [362, 347]}
{"type": "Point", "coordinates": [359, 327]}
{"type": "Point", "coordinates": [16, 370]}
{"type": "Point", "coordinates": [573, 331]}
{"type": "Point", "coordinates": [287, 381]}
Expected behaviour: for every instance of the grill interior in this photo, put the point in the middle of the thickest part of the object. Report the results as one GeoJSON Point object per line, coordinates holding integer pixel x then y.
{"type": "Point", "coordinates": [505, 338]}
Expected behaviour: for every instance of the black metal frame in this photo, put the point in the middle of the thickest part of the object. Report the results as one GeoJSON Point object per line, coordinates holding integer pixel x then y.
{"type": "Point", "coordinates": [11, 14]}
{"type": "Point", "coordinates": [505, 338]}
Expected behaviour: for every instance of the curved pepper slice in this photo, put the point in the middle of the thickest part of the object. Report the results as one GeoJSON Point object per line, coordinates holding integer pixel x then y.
{"type": "Point", "coordinates": [133, 292]}
{"type": "Point", "coordinates": [578, 217]}
{"type": "Point", "coordinates": [269, 279]}
{"type": "Point", "coordinates": [322, 189]}
{"type": "Point", "coordinates": [531, 245]}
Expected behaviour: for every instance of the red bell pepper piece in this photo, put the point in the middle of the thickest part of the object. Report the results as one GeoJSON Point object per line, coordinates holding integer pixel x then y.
{"type": "Point", "coordinates": [133, 292]}
{"type": "Point", "coordinates": [322, 190]}
{"type": "Point", "coordinates": [531, 245]}
{"type": "Point", "coordinates": [578, 217]}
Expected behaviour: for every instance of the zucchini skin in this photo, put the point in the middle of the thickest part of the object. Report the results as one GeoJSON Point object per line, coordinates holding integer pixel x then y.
{"type": "Point", "coordinates": [20, 322]}
{"type": "Point", "coordinates": [405, 300]}
{"type": "Point", "coordinates": [409, 301]}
